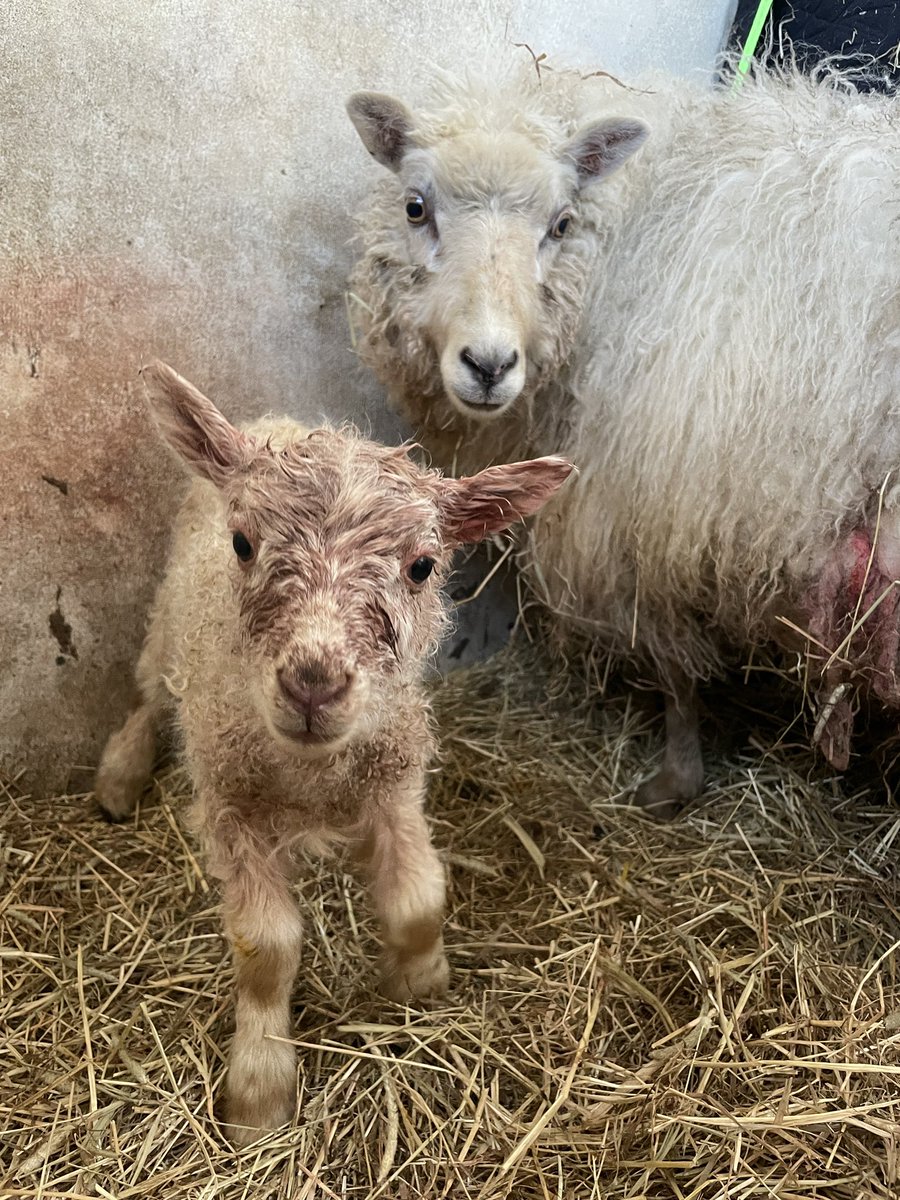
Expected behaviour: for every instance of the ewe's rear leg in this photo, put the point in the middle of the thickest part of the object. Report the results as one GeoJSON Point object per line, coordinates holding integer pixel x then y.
{"type": "Point", "coordinates": [408, 891]}
{"type": "Point", "coordinates": [263, 926]}
{"type": "Point", "coordinates": [130, 752]}
{"type": "Point", "coordinates": [681, 776]}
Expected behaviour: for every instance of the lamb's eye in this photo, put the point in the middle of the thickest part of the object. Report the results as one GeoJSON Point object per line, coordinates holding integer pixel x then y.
{"type": "Point", "coordinates": [419, 570]}
{"type": "Point", "coordinates": [415, 209]}
{"type": "Point", "coordinates": [242, 547]}
{"type": "Point", "coordinates": [560, 225]}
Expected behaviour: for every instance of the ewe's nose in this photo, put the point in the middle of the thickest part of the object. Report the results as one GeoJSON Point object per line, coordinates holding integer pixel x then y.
{"type": "Point", "coordinates": [310, 688]}
{"type": "Point", "coordinates": [489, 368]}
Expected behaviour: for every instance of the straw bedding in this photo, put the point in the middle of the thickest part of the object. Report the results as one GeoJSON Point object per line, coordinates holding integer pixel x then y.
{"type": "Point", "coordinates": [705, 1009]}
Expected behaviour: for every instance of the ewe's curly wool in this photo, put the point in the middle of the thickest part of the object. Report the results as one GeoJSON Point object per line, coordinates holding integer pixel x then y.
{"type": "Point", "coordinates": [727, 366]}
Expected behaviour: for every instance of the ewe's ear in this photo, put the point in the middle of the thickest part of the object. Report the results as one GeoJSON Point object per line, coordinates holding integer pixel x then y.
{"type": "Point", "coordinates": [494, 499]}
{"type": "Point", "coordinates": [601, 147]}
{"type": "Point", "coordinates": [384, 124]}
{"type": "Point", "coordinates": [193, 426]}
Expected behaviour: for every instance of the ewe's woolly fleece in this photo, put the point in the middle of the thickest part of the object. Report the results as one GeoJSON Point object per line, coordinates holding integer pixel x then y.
{"type": "Point", "coordinates": [731, 387]}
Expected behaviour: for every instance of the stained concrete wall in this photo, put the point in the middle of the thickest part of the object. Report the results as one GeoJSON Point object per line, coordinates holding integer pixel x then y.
{"type": "Point", "coordinates": [177, 179]}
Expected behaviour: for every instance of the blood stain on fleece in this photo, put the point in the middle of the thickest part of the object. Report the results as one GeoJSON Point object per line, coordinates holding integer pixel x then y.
{"type": "Point", "coordinates": [853, 616]}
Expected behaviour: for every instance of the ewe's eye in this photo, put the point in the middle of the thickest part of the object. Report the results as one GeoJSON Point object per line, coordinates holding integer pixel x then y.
{"type": "Point", "coordinates": [560, 225]}
{"type": "Point", "coordinates": [242, 547]}
{"type": "Point", "coordinates": [415, 209]}
{"type": "Point", "coordinates": [419, 570]}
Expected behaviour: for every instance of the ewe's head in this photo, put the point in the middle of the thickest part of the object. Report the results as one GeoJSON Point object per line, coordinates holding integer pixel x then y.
{"type": "Point", "coordinates": [479, 250]}
{"type": "Point", "coordinates": [336, 548]}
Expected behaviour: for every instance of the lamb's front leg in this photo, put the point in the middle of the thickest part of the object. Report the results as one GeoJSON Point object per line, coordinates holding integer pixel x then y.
{"type": "Point", "coordinates": [408, 892]}
{"type": "Point", "coordinates": [262, 923]}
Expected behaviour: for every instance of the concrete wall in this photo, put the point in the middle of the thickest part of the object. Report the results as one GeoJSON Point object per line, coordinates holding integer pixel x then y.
{"type": "Point", "coordinates": [176, 179]}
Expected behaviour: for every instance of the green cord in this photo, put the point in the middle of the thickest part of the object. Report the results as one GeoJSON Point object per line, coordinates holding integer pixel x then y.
{"type": "Point", "coordinates": [750, 44]}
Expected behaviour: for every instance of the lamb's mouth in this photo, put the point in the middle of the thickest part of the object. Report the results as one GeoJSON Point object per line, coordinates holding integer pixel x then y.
{"type": "Point", "coordinates": [310, 739]}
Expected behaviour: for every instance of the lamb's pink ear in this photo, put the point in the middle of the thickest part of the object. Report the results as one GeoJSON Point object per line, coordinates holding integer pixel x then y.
{"type": "Point", "coordinates": [601, 147]}
{"type": "Point", "coordinates": [384, 125]}
{"type": "Point", "coordinates": [494, 499]}
{"type": "Point", "coordinates": [193, 426]}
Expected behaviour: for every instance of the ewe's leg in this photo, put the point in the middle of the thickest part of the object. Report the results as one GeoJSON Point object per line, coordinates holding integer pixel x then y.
{"type": "Point", "coordinates": [129, 754]}
{"type": "Point", "coordinates": [681, 775]}
{"type": "Point", "coordinates": [407, 885]}
{"type": "Point", "coordinates": [263, 926]}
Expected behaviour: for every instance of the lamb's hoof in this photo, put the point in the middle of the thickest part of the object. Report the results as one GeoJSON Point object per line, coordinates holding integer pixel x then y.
{"type": "Point", "coordinates": [415, 978]}
{"type": "Point", "coordinates": [110, 818]}
{"type": "Point", "coordinates": [249, 1118]}
{"type": "Point", "coordinates": [261, 1091]}
{"type": "Point", "coordinates": [117, 795]}
{"type": "Point", "coordinates": [665, 794]}
{"type": "Point", "coordinates": [243, 1130]}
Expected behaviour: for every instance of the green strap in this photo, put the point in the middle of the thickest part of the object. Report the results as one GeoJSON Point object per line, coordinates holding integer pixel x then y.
{"type": "Point", "coordinates": [750, 44]}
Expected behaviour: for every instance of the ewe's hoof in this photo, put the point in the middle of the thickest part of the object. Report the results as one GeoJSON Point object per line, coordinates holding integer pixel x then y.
{"type": "Point", "coordinates": [415, 978]}
{"type": "Point", "coordinates": [665, 794]}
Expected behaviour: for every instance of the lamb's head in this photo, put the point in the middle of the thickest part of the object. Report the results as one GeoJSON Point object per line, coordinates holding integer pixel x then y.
{"type": "Point", "coordinates": [336, 549]}
{"type": "Point", "coordinates": [478, 241]}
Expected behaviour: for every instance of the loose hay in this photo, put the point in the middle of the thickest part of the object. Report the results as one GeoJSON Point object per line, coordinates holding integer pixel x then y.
{"type": "Point", "coordinates": [705, 1009]}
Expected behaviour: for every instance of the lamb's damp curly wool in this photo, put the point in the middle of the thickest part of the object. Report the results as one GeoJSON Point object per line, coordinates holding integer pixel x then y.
{"type": "Point", "coordinates": [721, 353]}
{"type": "Point", "coordinates": [302, 599]}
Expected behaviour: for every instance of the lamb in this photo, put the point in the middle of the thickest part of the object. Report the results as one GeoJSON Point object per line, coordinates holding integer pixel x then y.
{"type": "Point", "coordinates": [712, 327]}
{"type": "Point", "coordinates": [301, 600]}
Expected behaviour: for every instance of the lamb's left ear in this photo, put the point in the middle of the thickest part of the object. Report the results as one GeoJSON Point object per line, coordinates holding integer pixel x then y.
{"type": "Point", "coordinates": [384, 125]}
{"type": "Point", "coordinates": [474, 508]}
{"type": "Point", "coordinates": [601, 147]}
{"type": "Point", "coordinates": [194, 427]}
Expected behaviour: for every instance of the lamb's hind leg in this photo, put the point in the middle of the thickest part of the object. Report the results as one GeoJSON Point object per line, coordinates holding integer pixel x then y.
{"type": "Point", "coordinates": [130, 752]}
{"type": "Point", "coordinates": [681, 776]}
{"type": "Point", "coordinates": [407, 886]}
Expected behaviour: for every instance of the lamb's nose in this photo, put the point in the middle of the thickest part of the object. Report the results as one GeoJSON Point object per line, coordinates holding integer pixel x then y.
{"type": "Point", "coordinates": [489, 369]}
{"type": "Point", "coordinates": [309, 689]}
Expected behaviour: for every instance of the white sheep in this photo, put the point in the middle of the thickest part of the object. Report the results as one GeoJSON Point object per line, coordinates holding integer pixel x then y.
{"type": "Point", "coordinates": [713, 333]}
{"type": "Point", "coordinates": [302, 598]}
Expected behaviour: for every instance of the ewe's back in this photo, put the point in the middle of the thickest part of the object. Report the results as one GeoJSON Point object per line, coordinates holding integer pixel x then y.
{"type": "Point", "coordinates": [737, 374]}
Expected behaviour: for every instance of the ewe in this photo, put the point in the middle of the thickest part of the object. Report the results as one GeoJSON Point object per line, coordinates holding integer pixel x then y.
{"type": "Point", "coordinates": [713, 332]}
{"type": "Point", "coordinates": [302, 599]}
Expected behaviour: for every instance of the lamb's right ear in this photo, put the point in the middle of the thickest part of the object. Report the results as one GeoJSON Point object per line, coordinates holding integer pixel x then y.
{"type": "Point", "coordinates": [193, 426]}
{"type": "Point", "coordinates": [494, 499]}
{"type": "Point", "coordinates": [384, 125]}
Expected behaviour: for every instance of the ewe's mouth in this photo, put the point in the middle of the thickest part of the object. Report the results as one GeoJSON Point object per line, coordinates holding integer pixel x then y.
{"type": "Point", "coordinates": [486, 405]}
{"type": "Point", "coordinates": [482, 406]}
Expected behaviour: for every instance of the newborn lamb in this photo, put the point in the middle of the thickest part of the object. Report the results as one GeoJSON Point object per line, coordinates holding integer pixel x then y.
{"type": "Point", "coordinates": [301, 603]}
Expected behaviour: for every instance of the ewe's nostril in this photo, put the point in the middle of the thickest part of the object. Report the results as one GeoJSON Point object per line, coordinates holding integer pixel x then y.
{"type": "Point", "coordinates": [310, 690]}
{"type": "Point", "coordinates": [489, 369]}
